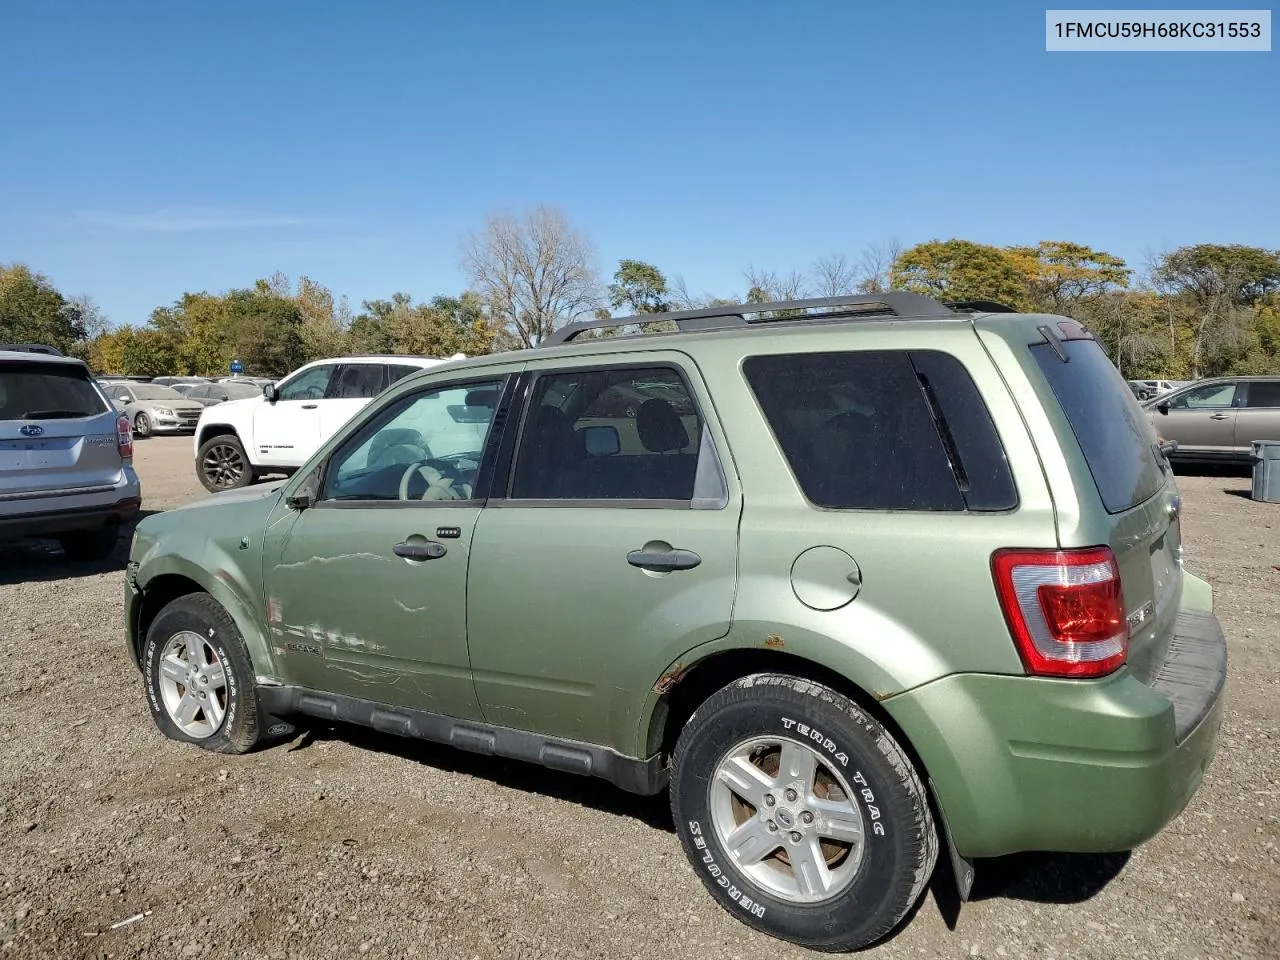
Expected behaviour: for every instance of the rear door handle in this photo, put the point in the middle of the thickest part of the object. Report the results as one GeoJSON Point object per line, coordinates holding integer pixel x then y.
{"type": "Point", "coordinates": [664, 560]}
{"type": "Point", "coordinates": [1220, 416]}
{"type": "Point", "coordinates": [308, 406]}
{"type": "Point", "coordinates": [420, 551]}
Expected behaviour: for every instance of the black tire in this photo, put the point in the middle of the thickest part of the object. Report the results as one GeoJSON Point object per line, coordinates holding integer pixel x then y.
{"type": "Point", "coordinates": [899, 842]}
{"type": "Point", "coordinates": [198, 613]}
{"type": "Point", "coordinates": [142, 425]}
{"type": "Point", "coordinates": [85, 545]}
{"type": "Point", "coordinates": [222, 464]}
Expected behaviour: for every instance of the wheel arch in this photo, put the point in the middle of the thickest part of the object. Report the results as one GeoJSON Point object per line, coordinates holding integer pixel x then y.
{"type": "Point", "coordinates": [176, 578]}
{"type": "Point", "coordinates": [687, 689]}
{"type": "Point", "coordinates": [208, 431]}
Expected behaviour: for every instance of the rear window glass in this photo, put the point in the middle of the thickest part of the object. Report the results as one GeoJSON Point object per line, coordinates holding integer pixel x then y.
{"type": "Point", "coordinates": [1113, 434]}
{"type": "Point", "coordinates": [39, 391]}
{"type": "Point", "coordinates": [883, 430]}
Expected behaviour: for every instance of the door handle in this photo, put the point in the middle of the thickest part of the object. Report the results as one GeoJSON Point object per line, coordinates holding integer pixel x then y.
{"type": "Point", "coordinates": [308, 406]}
{"type": "Point", "coordinates": [1220, 416]}
{"type": "Point", "coordinates": [665, 560]}
{"type": "Point", "coordinates": [430, 550]}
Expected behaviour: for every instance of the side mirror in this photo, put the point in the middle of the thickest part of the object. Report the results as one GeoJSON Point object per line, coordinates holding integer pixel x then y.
{"type": "Point", "coordinates": [304, 495]}
{"type": "Point", "coordinates": [1163, 407]}
{"type": "Point", "coordinates": [271, 392]}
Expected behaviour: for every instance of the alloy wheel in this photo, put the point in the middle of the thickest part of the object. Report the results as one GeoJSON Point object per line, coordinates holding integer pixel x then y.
{"type": "Point", "coordinates": [193, 685]}
{"type": "Point", "coordinates": [788, 818]}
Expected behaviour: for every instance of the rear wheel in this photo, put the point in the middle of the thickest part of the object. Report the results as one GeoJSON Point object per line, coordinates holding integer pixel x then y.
{"type": "Point", "coordinates": [91, 544]}
{"type": "Point", "coordinates": [222, 464]}
{"type": "Point", "coordinates": [800, 813]}
{"type": "Point", "coordinates": [142, 425]}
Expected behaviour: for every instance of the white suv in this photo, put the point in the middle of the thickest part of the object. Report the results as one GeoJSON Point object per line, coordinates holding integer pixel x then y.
{"type": "Point", "coordinates": [238, 441]}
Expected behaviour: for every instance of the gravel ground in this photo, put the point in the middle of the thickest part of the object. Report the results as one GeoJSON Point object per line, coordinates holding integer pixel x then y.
{"type": "Point", "coordinates": [344, 843]}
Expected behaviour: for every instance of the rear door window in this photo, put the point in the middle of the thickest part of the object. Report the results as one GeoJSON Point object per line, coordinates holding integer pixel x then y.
{"type": "Point", "coordinates": [398, 371]}
{"type": "Point", "coordinates": [1112, 432]}
{"type": "Point", "coordinates": [622, 433]}
{"type": "Point", "coordinates": [47, 391]}
{"type": "Point", "coordinates": [1264, 394]}
{"type": "Point", "coordinates": [357, 381]}
{"type": "Point", "coordinates": [883, 430]}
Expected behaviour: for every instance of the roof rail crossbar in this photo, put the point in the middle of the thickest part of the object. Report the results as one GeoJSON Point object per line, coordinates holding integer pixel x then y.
{"type": "Point", "coordinates": [737, 314]}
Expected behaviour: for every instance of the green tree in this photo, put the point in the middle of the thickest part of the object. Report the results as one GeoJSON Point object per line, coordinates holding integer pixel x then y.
{"type": "Point", "coordinates": [1059, 274]}
{"type": "Point", "coordinates": [639, 287]}
{"type": "Point", "coordinates": [1217, 293]}
{"type": "Point", "coordinates": [961, 270]}
{"type": "Point", "coordinates": [33, 311]}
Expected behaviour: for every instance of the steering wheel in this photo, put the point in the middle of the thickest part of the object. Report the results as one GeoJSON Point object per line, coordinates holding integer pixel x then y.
{"type": "Point", "coordinates": [444, 481]}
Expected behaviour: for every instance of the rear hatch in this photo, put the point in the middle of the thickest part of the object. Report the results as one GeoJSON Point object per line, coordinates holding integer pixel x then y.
{"type": "Point", "coordinates": [1135, 508]}
{"type": "Point", "coordinates": [57, 433]}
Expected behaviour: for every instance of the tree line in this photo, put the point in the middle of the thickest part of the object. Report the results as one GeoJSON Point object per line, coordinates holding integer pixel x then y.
{"type": "Point", "coordinates": [1198, 310]}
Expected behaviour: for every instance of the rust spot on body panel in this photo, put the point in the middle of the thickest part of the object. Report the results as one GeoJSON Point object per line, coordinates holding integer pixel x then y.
{"type": "Point", "coordinates": [669, 679]}
{"type": "Point", "coordinates": [774, 642]}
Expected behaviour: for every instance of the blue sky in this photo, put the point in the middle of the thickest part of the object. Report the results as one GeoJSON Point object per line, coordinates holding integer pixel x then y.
{"type": "Point", "coordinates": [152, 149]}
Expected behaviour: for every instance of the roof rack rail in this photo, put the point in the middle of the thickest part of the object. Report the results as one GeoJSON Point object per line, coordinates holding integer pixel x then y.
{"type": "Point", "coordinates": [31, 348]}
{"type": "Point", "coordinates": [980, 306]}
{"type": "Point", "coordinates": [741, 314]}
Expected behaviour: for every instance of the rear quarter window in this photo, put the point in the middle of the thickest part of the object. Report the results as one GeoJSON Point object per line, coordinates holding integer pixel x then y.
{"type": "Point", "coordinates": [887, 430]}
{"type": "Point", "coordinates": [47, 391]}
{"type": "Point", "coordinates": [1109, 426]}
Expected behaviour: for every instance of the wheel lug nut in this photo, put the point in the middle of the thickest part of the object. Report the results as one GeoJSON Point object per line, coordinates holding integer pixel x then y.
{"type": "Point", "coordinates": [791, 795]}
{"type": "Point", "coordinates": [203, 695]}
{"type": "Point", "coordinates": [806, 817]}
{"type": "Point", "coordinates": [773, 827]}
{"type": "Point", "coordinates": [769, 800]}
{"type": "Point", "coordinates": [795, 836]}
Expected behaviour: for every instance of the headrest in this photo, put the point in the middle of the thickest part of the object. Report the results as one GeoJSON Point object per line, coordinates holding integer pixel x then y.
{"type": "Point", "coordinates": [660, 427]}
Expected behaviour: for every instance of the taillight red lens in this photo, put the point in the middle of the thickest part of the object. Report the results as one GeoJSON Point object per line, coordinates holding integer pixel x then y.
{"type": "Point", "coordinates": [1065, 609]}
{"type": "Point", "coordinates": [124, 436]}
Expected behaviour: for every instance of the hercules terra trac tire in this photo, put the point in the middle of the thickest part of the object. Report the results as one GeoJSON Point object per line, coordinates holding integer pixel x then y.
{"type": "Point", "coordinates": [197, 616]}
{"type": "Point", "coordinates": [779, 716]}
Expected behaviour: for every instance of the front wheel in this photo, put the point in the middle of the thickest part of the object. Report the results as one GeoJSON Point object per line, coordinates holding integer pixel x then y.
{"type": "Point", "coordinates": [222, 464]}
{"type": "Point", "coordinates": [200, 685]}
{"type": "Point", "coordinates": [800, 813]}
{"type": "Point", "coordinates": [142, 425]}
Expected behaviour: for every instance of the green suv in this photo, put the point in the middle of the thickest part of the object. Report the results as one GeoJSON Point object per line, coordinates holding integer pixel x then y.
{"type": "Point", "coordinates": [856, 580]}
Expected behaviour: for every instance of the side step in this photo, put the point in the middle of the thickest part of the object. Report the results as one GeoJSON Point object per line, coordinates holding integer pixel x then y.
{"type": "Point", "coordinates": [571, 756]}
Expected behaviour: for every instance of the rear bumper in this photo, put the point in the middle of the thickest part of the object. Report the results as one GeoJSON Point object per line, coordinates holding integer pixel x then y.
{"type": "Point", "coordinates": [1022, 763]}
{"type": "Point", "coordinates": [53, 522]}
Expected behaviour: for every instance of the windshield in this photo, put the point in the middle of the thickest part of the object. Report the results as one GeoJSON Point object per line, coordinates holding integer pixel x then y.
{"type": "Point", "coordinates": [150, 391]}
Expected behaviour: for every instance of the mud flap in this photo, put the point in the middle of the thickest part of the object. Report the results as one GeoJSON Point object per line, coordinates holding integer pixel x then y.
{"type": "Point", "coordinates": [961, 867]}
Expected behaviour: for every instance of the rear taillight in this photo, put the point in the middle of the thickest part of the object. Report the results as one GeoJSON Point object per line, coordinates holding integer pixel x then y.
{"type": "Point", "coordinates": [124, 436]}
{"type": "Point", "coordinates": [1065, 609]}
